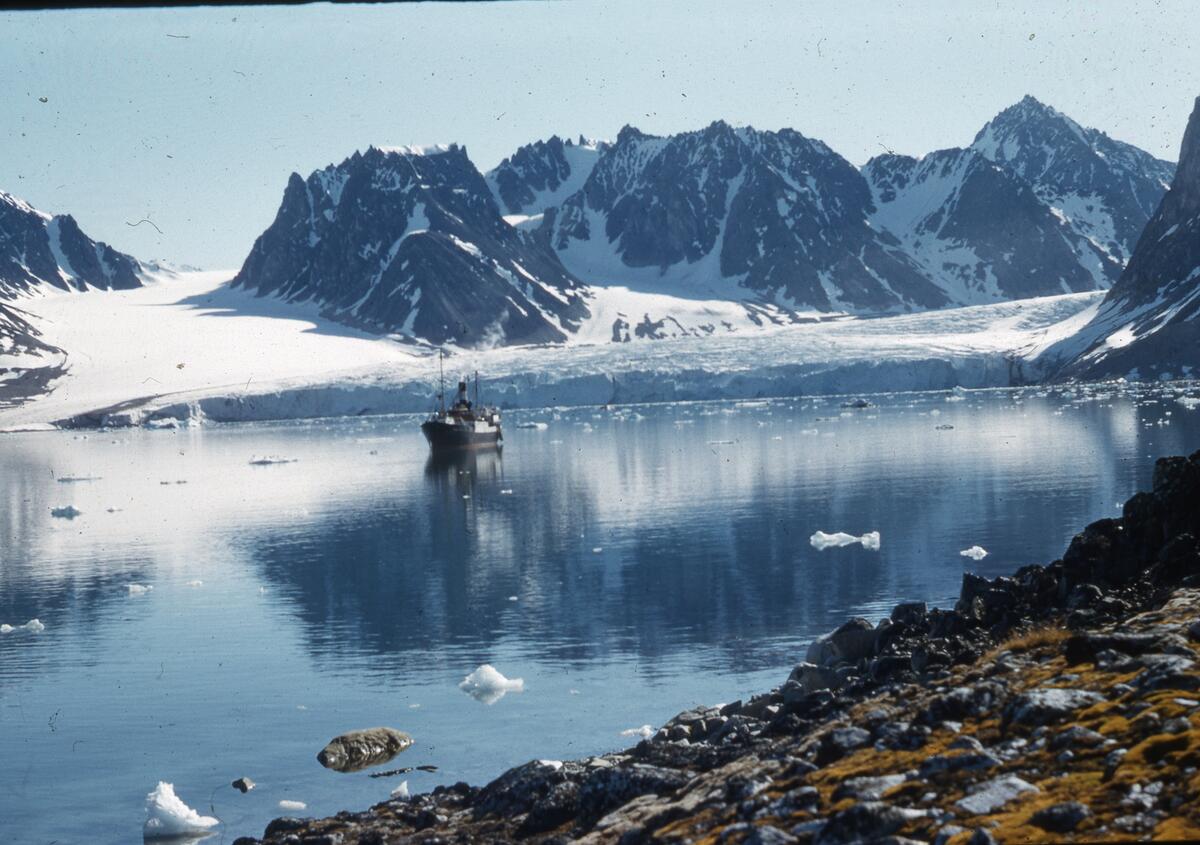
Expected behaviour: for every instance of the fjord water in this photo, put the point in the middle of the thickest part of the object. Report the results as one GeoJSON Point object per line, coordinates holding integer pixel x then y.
{"type": "Point", "coordinates": [626, 563]}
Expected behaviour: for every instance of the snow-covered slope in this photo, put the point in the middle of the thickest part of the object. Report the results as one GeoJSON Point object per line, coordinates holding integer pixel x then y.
{"type": "Point", "coordinates": [39, 250]}
{"type": "Point", "coordinates": [736, 213]}
{"type": "Point", "coordinates": [194, 348]}
{"type": "Point", "coordinates": [542, 174]}
{"type": "Point", "coordinates": [980, 231]}
{"type": "Point", "coordinates": [410, 241]}
{"type": "Point", "coordinates": [1106, 189]}
{"type": "Point", "coordinates": [1149, 324]}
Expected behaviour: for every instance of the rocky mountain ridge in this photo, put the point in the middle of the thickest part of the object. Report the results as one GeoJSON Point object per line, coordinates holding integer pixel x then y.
{"type": "Point", "coordinates": [1037, 205]}
{"type": "Point", "coordinates": [1148, 323]}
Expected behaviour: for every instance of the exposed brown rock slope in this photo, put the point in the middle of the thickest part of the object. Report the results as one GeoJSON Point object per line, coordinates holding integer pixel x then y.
{"type": "Point", "coordinates": [1059, 704]}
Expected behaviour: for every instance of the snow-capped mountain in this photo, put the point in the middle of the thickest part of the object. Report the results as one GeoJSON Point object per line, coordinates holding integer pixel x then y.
{"type": "Point", "coordinates": [1149, 323]}
{"type": "Point", "coordinates": [980, 231]}
{"type": "Point", "coordinates": [41, 250]}
{"type": "Point", "coordinates": [543, 174]}
{"type": "Point", "coordinates": [1104, 188]}
{"type": "Point", "coordinates": [736, 213]}
{"type": "Point", "coordinates": [410, 240]}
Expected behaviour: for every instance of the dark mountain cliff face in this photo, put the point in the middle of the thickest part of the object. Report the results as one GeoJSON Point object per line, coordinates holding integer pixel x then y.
{"type": "Point", "coordinates": [542, 174]}
{"type": "Point", "coordinates": [41, 250]}
{"type": "Point", "coordinates": [772, 215]}
{"type": "Point", "coordinates": [1107, 189]}
{"type": "Point", "coordinates": [1148, 322]}
{"type": "Point", "coordinates": [410, 240]}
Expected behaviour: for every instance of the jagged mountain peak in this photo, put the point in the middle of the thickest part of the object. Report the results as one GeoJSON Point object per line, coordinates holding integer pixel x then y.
{"type": "Point", "coordinates": [39, 250]}
{"type": "Point", "coordinates": [542, 174]}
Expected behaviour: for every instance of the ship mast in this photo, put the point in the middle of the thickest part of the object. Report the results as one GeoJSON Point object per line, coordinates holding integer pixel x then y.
{"type": "Point", "coordinates": [477, 388]}
{"type": "Point", "coordinates": [441, 385]}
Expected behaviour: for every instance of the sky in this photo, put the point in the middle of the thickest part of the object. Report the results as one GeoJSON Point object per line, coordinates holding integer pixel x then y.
{"type": "Point", "coordinates": [171, 133]}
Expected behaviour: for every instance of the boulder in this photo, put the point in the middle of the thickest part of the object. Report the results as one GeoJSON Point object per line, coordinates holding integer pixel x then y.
{"type": "Point", "coordinates": [863, 822]}
{"type": "Point", "coordinates": [359, 749]}
{"type": "Point", "coordinates": [854, 640]}
{"type": "Point", "coordinates": [1046, 705]}
{"type": "Point", "coordinates": [1061, 818]}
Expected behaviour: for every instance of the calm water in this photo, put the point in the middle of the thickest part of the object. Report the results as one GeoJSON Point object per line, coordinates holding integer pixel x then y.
{"type": "Point", "coordinates": [625, 564]}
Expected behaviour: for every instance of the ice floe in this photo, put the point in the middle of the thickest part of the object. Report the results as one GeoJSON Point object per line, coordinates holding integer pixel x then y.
{"type": "Point", "coordinates": [536, 426]}
{"type": "Point", "coordinates": [67, 512]}
{"type": "Point", "coordinates": [139, 589]}
{"type": "Point", "coordinates": [975, 553]}
{"type": "Point", "coordinates": [33, 625]}
{"type": "Point", "coordinates": [486, 684]}
{"type": "Point", "coordinates": [645, 732]}
{"type": "Point", "coordinates": [288, 804]}
{"type": "Point", "coordinates": [821, 541]}
{"type": "Point", "coordinates": [270, 460]}
{"type": "Point", "coordinates": [401, 791]}
{"type": "Point", "coordinates": [168, 817]}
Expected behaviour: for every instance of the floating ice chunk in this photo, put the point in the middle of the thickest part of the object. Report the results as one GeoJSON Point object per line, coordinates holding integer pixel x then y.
{"type": "Point", "coordinates": [645, 732]}
{"type": "Point", "coordinates": [514, 598]}
{"type": "Point", "coordinates": [167, 816]}
{"type": "Point", "coordinates": [536, 426]}
{"type": "Point", "coordinates": [1189, 402]}
{"type": "Point", "coordinates": [821, 541]}
{"type": "Point", "coordinates": [486, 684]}
{"type": "Point", "coordinates": [68, 512]}
{"type": "Point", "coordinates": [974, 553]}
{"type": "Point", "coordinates": [597, 550]}
{"type": "Point", "coordinates": [288, 804]}
{"type": "Point", "coordinates": [139, 589]}
{"type": "Point", "coordinates": [269, 460]}
{"type": "Point", "coordinates": [6, 628]}
{"type": "Point", "coordinates": [195, 583]}
{"type": "Point", "coordinates": [401, 791]}
{"type": "Point", "coordinates": [507, 491]}
{"type": "Point", "coordinates": [72, 479]}
{"type": "Point", "coordinates": [34, 625]}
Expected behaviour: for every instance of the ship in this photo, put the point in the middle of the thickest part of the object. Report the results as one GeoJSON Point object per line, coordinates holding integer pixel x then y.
{"type": "Point", "coordinates": [465, 424]}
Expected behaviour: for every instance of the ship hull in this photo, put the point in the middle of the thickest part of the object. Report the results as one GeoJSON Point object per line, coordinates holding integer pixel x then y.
{"type": "Point", "coordinates": [442, 436]}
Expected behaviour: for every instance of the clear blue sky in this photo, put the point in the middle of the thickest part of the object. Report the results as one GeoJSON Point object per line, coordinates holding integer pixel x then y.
{"type": "Point", "coordinates": [201, 131]}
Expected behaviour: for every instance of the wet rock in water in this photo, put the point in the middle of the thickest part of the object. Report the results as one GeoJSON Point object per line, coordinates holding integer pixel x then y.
{"type": "Point", "coordinates": [990, 796]}
{"type": "Point", "coordinates": [982, 836]}
{"type": "Point", "coordinates": [1061, 818]}
{"type": "Point", "coordinates": [359, 749]}
{"type": "Point", "coordinates": [1048, 704]}
{"type": "Point", "coordinates": [243, 785]}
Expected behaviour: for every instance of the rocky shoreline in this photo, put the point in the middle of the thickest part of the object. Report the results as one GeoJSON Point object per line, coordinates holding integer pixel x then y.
{"type": "Point", "coordinates": [1060, 703]}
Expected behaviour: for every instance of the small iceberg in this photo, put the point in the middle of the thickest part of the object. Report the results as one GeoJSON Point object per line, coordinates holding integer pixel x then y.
{"type": "Point", "coordinates": [645, 732]}
{"type": "Point", "coordinates": [822, 541]}
{"type": "Point", "coordinates": [68, 512]}
{"type": "Point", "coordinates": [139, 589]}
{"type": "Point", "coordinates": [287, 804]}
{"type": "Point", "coordinates": [168, 817]}
{"type": "Point", "coordinates": [535, 426]}
{"type": "Point", "coordinates": [486, 684]}
{"type": "Point", "coordinates": [401, 791]}
{"type": "Point", "coordinates": [271, 460]}
{"type": "Point", "coordinates": [33, 625]}
{"type": "Point", "coordinates": [975, 553]}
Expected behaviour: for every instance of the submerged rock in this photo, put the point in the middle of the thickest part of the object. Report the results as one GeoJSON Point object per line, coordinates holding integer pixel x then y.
{"type": "Point", "coordinates": [359, 749]}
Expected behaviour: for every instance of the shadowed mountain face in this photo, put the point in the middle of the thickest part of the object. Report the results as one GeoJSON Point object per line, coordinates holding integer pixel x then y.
{"type": "Point", "coordinates": [1037, 205]}
{"type": "Point", "coordinates": [410, 240]}
{"type": "Point", "coordinates": [1105, 189]}
{"type": "Point", "coordinates": [418, 242]}
{"type": "Point", "coordinates": [543, 174]}
{"type": "Point", "coordinates": [1148, 322]}
{"type": "Point", "coordinates": [749, 214]}
{"type": "Point", "coordinates": [40, 250]}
